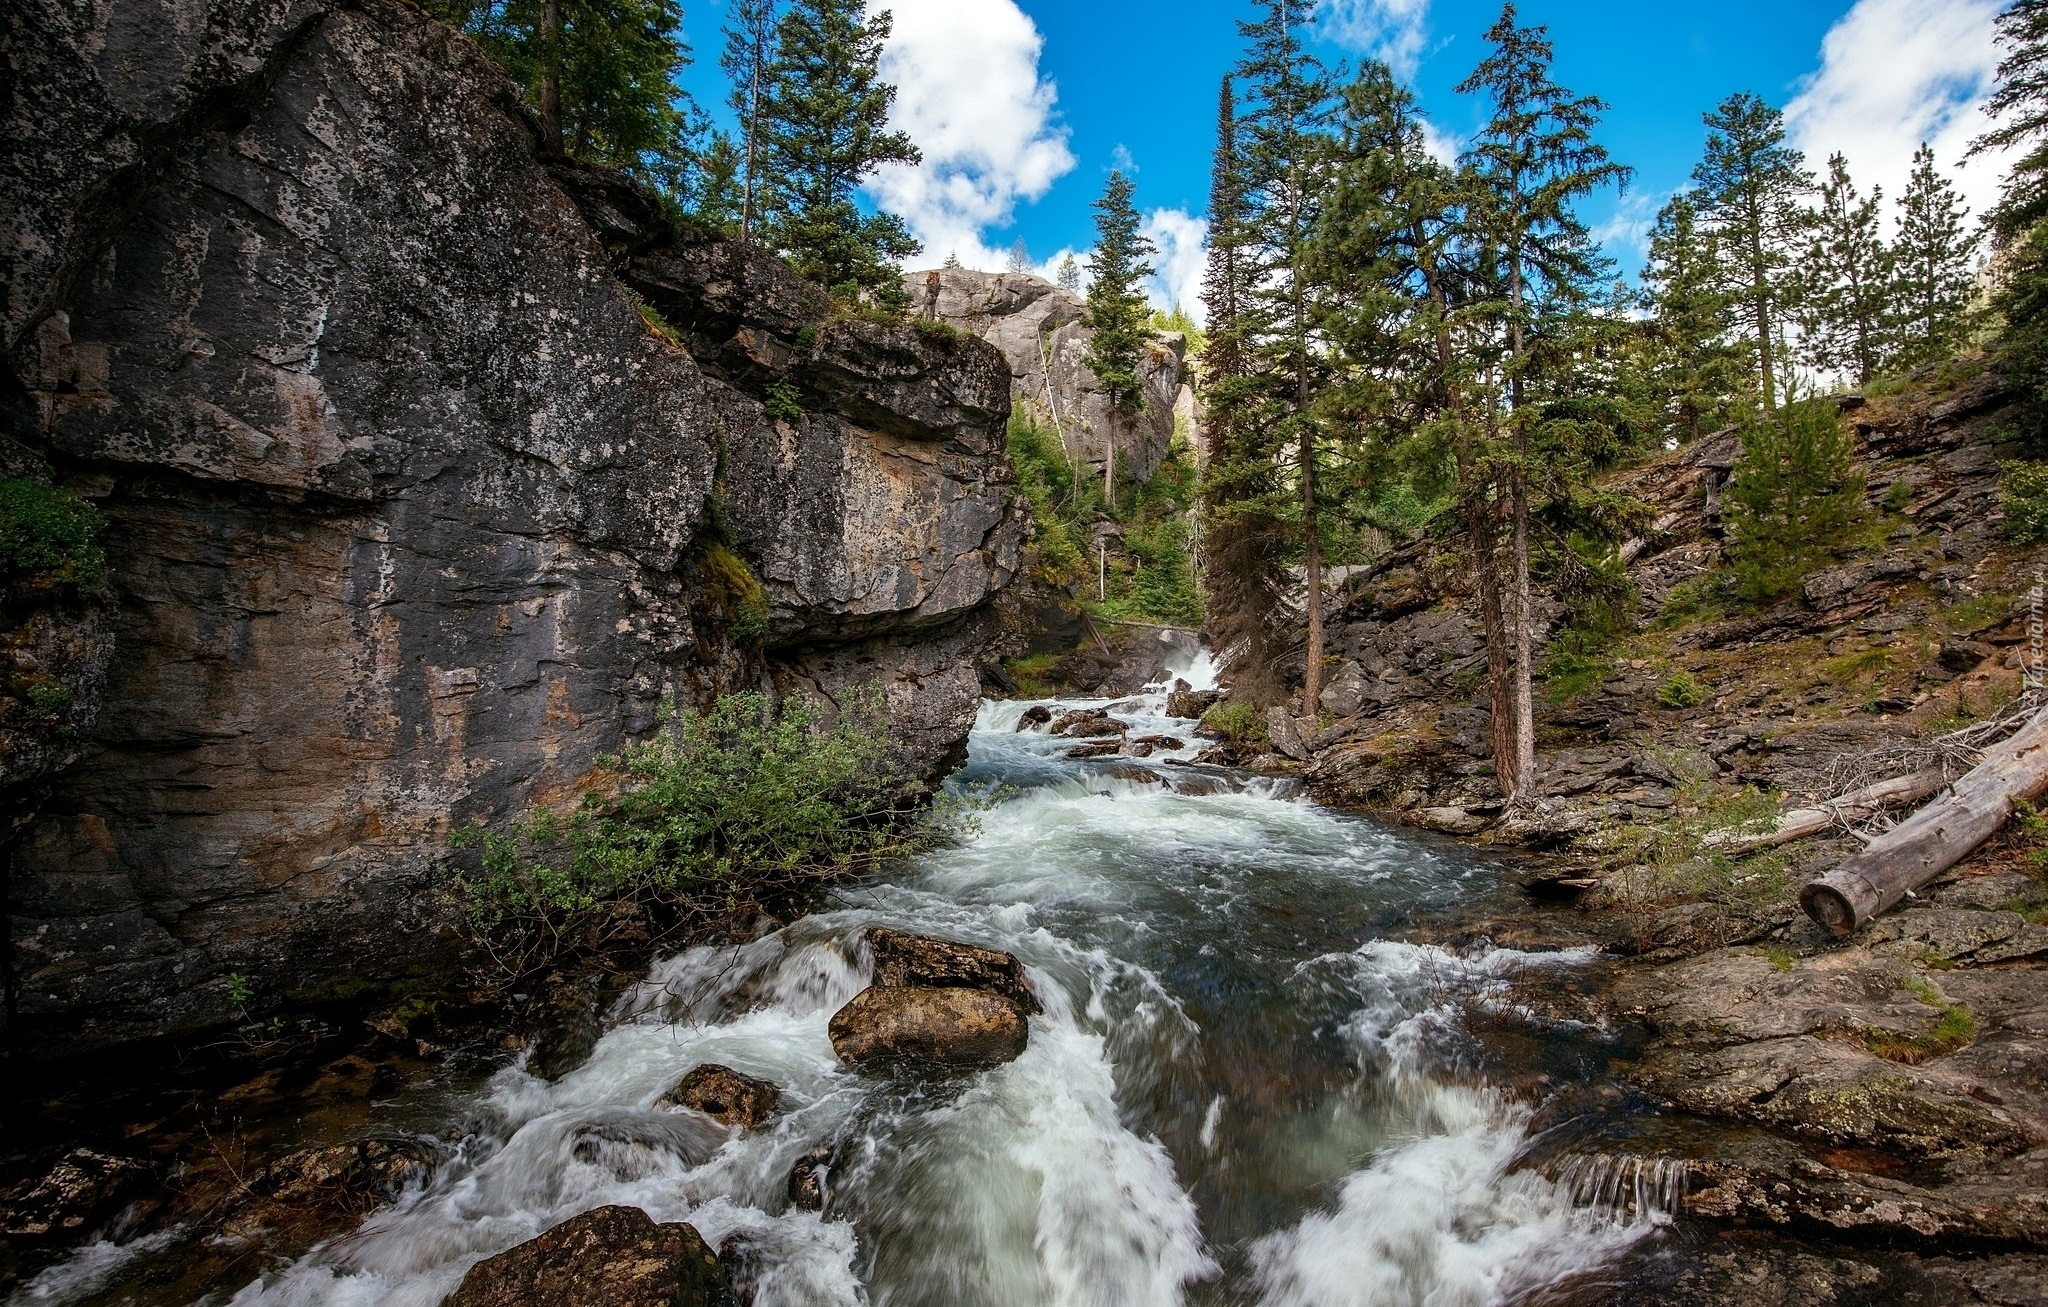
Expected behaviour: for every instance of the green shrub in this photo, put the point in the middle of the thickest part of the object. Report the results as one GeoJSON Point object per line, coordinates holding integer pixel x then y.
{"type": "Point", "coordinates": [48, 536]}
{"type": "Point", "coordinates": [2023, 485]}
{"type": "Point", "coordinates": [782, 402]}
{"type": "Point", "coordinates": [1795, 498]}
{"type": "Point", "coordinates": [1236, 721]}
{"type": "Point", "coordinates": [1680, 690]}
{"type": "Point", "coordinates": [724, 814]}
{"type": "Point", "coordinates": [1570, 672]}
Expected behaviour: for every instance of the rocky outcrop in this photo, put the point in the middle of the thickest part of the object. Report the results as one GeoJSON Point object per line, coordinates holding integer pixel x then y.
{"type": "Point", "coordinates": [434, 471]}
{"type": "Point", "coordinates": [1037, 326]}
{"type": "Point", "coordinates": [612, 1255]}
{"type": "Point", "coordinates": [928, 1027]}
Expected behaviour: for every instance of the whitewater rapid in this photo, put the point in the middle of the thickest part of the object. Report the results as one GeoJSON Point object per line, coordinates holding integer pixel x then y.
{"type": "Point", "coordinates": [1238, 1091]}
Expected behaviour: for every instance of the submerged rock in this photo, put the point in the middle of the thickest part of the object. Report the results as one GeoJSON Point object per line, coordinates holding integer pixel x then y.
{"type": "Point", "coordinates": [906, 960]}
{"type": "Point", "coordinates": [810, 1181]}
{"type": "Point", "coordinates": [724, 1095]}
{"type": "Point", "coordinates": [348, 1177]}
{"type": "Point", "coordinates": [71, 1197]}
{"type": "Point", "coordinates": [950, 1027]}
{"type": "Point", "coordinates": [615, 1256]}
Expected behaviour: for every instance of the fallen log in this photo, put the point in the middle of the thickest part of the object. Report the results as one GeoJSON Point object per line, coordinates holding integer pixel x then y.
{"type": "Point", "coordinates": [1935, 838]}
{"type": "Point", "coordinates": [1843, 809]}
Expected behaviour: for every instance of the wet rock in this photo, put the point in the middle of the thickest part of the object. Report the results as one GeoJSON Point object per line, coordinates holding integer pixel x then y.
{"type": "Point", "coordinates": [1100, 749]}
{"type": "Point", "coordinates": [68, 1200]}
{"type": "Point", "coordinates": [1191, 704]}
{"type": "Point", "coordinates": [724, 1095]}
{"type": "Point", "coordinates": [346, 1177]}
{"type": "Point", "coordinates": [1810, 1195]}
{"type": "Point", "coordinates": [904, 960]}
{"type": "Point", "coordinates": [616, 1256]}
{"type": "Point", "coordinates": [1161, 741]}
{"type": "Point", "coordinates": [916, 1026]}
{"type": "Point", "coordinates": [810, 1181]}
{"type": "Point", "coordinates": [1036, 715]}
{"type": "Point", "coordinates": [1086, 722]}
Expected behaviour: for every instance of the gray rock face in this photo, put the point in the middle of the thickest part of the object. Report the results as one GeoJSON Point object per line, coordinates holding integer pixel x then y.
{"type": "Point", "coordinates": [409, 507]}
{"type": "Point", "coordinates": [1037, 326]}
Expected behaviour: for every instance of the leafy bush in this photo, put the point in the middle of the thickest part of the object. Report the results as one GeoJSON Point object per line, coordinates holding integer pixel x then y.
{"type": "Point", "coordinates": [782, 402]}
{"type": "Point", "coordinates": [724, 814]}
{"type": "Point", "coordinates": [2023, 485]}
{"type": "Point", "coordinates": [1795, 498]}
{"type": "Point", "coordinates": [1236, 721]}
{"type": "Point", "coordinates": [48, 536]}
{"type": "Point", "coordinates": [1680, 690]}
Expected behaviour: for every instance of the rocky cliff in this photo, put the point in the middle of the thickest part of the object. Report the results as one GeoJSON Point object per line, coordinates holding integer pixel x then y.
{"type": "Point", "coordinates": [1037, 326]}
{"type": "Point", "coordinates": [433, 470]}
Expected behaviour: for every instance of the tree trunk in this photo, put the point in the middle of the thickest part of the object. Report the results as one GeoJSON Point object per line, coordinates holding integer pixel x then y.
{"type": "Point", "coordinates": [1935, 838]}
{"type": "Point", "coordinates": [551, 79]}
{"type": "Point", "coordinates": [1109, 463]}
{"type": "Point", "coordinates": [1521, 697]}
{"type": "Point", "coordinates": [1312, 677]}
{"type": "Point", "coordinates": [1801, 823]}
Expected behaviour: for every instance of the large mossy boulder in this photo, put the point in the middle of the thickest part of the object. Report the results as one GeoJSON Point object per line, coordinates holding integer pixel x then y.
{"type": "Point", "coordinates": [616, 1256]}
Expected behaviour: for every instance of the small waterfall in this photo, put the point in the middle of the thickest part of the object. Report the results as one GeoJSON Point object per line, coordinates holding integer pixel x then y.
{"type": "Point", "coordinates": [1622, 1186]}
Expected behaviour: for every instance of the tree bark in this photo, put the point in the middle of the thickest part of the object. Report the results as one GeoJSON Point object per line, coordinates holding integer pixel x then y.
{"type": "Point", "coordinates": [1521, 652]}
{"type": "Point", "coordinates": [1312, 677]}
{"type": "Point", "coordinates": [551, 79]}
{"type": "Point", "coordinates": [1801, 823]}
{"type": "Point", "coordinates": [1935, 838]}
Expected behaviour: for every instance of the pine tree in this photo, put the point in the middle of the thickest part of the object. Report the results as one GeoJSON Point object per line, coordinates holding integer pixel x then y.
{"type": "Point", "coordinates": [2019, 106]}
{"type": "Point", "coordinates": [1933, 272]}
{"type": "Point", "coordinates": [1020, 257]}
{"type": "Point", "coordinates": [1240, 574]}
{"type": "Point", "coordinates": [1694, 370]}
{"type": "Point", "coordinates": [1750, 188]}
{"type": "Point", "coordinates": [1794, 497]}
{"type": "Point", "coordinates": [1070, 275]}
{"type": "Point", "coordinates": [826, 129]}
{"type": "Point", "coordinates": [749, 60]}
{"type": "Point", "coordinates": [721, 195]}
{"type": "Point", "coordinates": [1845, 281]}
{"type": "Point", "coordinates": [1282, 149]}
{"type": "Point", "coordinates": [1117, 313]}
{"type": "Point", "coordinates": [601, 75]}
{"type": "Point", "coordinates": [1533, 159]}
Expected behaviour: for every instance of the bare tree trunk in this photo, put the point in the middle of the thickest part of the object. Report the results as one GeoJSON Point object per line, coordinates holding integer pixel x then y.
{"type": "Point", "coordinates": [1802, 823]}
{"type": "Point", "coordinates": [1312, 678]}
{"type": "Point", "coordinates": [551, 80]}
{"type": "Point", "coordinates": [1521, 652]}
{"type": "Point", "coordinates": [1935, 838]}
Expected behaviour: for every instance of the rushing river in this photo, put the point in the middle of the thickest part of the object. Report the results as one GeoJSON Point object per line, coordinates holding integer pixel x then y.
{"type": "Point", "coordinates": [1240, 1091]}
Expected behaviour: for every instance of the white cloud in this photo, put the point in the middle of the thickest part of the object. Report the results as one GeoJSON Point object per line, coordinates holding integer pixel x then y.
{"type": "Point", "coordinates": [1625, 235]}
{"type": "Point", "coordinates": [1894, 73]}
{"type": "Point", "coordinates": [1181, 245]}
{"type": "Point", "coordinates": [969, 94]}
{"type": "Point", "coordinates": [1392, 31]}
{"type": "Point", "coordinates": [1441, 145]}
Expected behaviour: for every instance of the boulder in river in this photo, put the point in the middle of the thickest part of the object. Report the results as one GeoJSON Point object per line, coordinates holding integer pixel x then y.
{"type": "Point", "coordinates": [1086, 723]}
{"type": "Point", "coordinates": [1036, 715]}
{"type": "Point", "coordinates": [724, 1095]}
{"type": "Point", "coordinates": [906, 960]}
{"type": "Point", "coordinates": [1191, 704]}
{"type": "Point", "coordinates": [914, 1025]}
{"type": "Point", "coordinates": [616, 1256]}
{"type": "Point", "coordinates": [810, 1181]}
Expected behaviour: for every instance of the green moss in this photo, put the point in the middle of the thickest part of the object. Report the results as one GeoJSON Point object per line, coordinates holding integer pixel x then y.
{"type": "Point", "coordinates": [1782, 958]}
{"type": "Point", "coordinates": [1953, 1029]}
{"type": "Point", "coordinates": [48, 536]}
{"type": "Point", "coordinates": [740, 597]}
{"type": "Point", "coordinates": [1031, 673]}
{"type": "Point", "coordinates": [658, 324]}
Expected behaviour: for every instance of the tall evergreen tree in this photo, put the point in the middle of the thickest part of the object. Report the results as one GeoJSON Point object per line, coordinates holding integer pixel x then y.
{"type": "Point", "coordinates": [1694, 369]}
{"type": "Point", "coordinates": [1845, 281]}
{"type": "Point", "coordinates": [1282, 149]}
{"type": "Point", "coordinates": [720, 190]}
{"type": "Point", "coordinates": [1933, 265]}
{"type": "Point", "coordinates": [749, 61]}
{"type": "Point", "coordinates": [826, 129]}
{"type": "Point", "coordinates": [1117, 313]}
{"type": "Point", "coordinates": [1751, 185]}
{"type": "Point", "coordinates": [1240, 573]}
{"type": "Point", "coordinates": [2019, 105]}
{"type": "Point", "coordinates": [601, 76]}
{"type": "Point", "coordinates": [1534, 158]}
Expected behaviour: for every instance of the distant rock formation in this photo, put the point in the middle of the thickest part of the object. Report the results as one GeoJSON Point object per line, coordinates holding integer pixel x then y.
{"type": "Point", "coordinates": [434, 471]}
{"type": "Point", "coordinates": [1037, 326]}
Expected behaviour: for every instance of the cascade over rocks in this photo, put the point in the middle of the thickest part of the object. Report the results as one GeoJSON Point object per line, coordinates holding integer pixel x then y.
{"type": "Point", "coordinates": [414, 515]}
{"type": "Point", "coordinates": [614, 1255]}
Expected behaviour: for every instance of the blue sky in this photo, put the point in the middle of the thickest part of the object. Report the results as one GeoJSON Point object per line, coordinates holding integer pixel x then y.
{"type": "Point", "coordinates": [1023, 106]}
